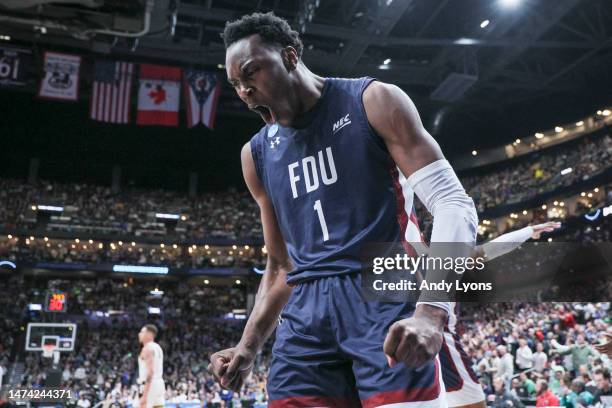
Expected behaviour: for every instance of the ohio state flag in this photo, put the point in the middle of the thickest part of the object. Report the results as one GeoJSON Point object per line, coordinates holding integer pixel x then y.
{"type": "Point", "coordinates": [202, 91]}
{"type": "Point", "coordinates": [158, 95]}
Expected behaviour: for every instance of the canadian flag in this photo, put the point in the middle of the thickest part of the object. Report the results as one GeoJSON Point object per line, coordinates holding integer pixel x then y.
{"type": "Point", "coordinates": [158, 95]}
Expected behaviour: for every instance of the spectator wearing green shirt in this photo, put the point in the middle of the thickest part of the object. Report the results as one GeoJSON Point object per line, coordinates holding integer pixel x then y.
{"type": "Point", "coordinates": [528, 384]}
{"type": "Point", "coordinates": [580, 352]}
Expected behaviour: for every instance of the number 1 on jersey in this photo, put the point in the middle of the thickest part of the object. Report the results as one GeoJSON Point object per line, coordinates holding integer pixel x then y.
{"type": "Point", "coordinates": [319, 211]}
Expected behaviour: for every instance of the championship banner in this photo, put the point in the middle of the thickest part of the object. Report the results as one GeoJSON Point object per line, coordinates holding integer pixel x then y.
{"type": "Point", "coordinates": [61, 81]}
{"type": "Point", "coordinates": [14, 68]}
{"type": "Point", "coordinates": [158, 95]}
{"type": "Point", "coordinates": [202, 91]}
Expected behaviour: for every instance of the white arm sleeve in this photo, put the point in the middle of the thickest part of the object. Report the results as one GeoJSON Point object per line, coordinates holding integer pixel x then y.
{"type": "Point", "coordinates": [439, 189]}
{"type": "Point", "coordinates": [454, 214]}
{"type": "Point", "coordinates": [506, 243]}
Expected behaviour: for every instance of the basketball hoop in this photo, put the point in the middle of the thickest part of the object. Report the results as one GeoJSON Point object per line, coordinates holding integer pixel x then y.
{"type": "Point", "coordinates": [48, 350]}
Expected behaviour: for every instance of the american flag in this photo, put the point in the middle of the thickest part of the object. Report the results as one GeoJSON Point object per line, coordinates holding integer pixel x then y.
{"type": "Point", "coordinates": [112, 86]}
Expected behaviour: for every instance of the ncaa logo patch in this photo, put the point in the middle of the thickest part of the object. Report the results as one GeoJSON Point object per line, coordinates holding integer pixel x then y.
{"type": "Point", "coordinates": [272, 130]}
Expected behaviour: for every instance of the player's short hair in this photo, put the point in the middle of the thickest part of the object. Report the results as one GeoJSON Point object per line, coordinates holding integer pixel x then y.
{"type": "Point", "coordinates": [271, 28]}
{"type": "Point", "coordinates": [151, 328]}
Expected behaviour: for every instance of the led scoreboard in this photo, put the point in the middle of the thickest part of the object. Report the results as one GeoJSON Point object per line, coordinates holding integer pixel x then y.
{"type": "Point", "coordinates": [56, 302]}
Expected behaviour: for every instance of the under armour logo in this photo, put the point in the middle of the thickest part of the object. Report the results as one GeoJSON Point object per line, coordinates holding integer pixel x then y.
{"type": "Point", "coordinates": [274, 142]}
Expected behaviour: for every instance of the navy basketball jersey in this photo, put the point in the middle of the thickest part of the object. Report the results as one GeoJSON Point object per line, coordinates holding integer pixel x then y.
{"type": "Point", "coordinates": [333, 183]}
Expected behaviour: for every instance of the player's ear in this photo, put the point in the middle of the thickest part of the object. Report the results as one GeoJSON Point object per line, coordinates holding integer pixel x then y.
{"type": "Point", "coordinates": [290, 58]}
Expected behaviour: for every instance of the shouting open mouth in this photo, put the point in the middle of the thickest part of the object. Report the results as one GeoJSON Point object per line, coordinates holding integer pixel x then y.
{"type": "Point", "coordinates": [265, 112]}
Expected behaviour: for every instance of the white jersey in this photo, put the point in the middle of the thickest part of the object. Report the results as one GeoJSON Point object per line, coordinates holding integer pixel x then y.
{"type": "Point", "coordinates": [157, 390]}
{"type": "Point", "coordinates": [158, 362]}
{"type": "Point", "coordinates": [452, 318]}
{"type": "Point", "coordinates": [460, 382]}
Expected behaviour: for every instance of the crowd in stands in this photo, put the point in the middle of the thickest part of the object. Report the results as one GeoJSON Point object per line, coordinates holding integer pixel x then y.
{"type": "Point", "coordinates": [539, 173]}
{"type": "Point", "coordinates": [35, 247]}
{"type": "Point", "coordinates": [234, 215]}
{"type": "Point", "coordinates": [523, 353]}
{"type": "Point", "coordinates": [526, 353]}
{"type": "Point", "coordinates": [192, 324]}
{"type": "Point", "coordinates": [501, 340]}
{"type": "Point", "coordinates": [75, 251]}
{"type": "Point", "coordinates": [91, 208]}
{"type": "Point", "coordinates": [539, 354]}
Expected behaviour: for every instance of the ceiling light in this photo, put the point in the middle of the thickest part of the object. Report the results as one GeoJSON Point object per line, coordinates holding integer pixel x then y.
{"type": "Point", "coordinates": [510, 3]}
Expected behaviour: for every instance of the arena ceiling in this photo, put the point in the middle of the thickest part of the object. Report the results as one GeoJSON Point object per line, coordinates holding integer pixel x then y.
{"type": "Point", "coordinates": [536, 61]}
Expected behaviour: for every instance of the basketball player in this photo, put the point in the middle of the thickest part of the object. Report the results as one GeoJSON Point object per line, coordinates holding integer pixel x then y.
{"type": "Point", "coordinates": [461, 383]}
{"type": "Point", "coordinates": [324, 171]}
{"type": "Point", "coordinates": [462, 387]}
{"type": "Point", "coordinates": [150, 369]}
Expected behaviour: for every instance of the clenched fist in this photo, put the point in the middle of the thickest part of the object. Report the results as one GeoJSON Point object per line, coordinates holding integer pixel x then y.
{"type": "Point", "coordinates": [232, 366]}
{"type": "Point", "coordinates": [417, 340]}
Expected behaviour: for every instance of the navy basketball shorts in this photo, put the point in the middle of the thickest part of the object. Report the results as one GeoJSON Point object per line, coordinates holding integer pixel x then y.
{"type": "Point", "coordinates": [329, 352]}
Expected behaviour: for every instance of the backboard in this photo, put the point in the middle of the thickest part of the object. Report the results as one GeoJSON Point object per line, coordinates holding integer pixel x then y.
{"type": "Point", "coordinates": [39, 334]}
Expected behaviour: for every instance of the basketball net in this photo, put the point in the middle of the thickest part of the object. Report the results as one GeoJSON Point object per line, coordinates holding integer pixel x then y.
{"type": "Point", "coordinates": [48, 350]}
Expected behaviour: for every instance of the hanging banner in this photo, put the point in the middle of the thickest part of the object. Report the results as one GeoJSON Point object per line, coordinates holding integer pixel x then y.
{"type": "Point", "coordinates": [202, 91]}
{"type": "Point", "coordinates": [15, 68]}
{"type": "Point", "coordinates": [61, 80]}
{"type": "Point", "coordinates": [112, 88]}
{"type": "Point", "coordinates": [158, 95]}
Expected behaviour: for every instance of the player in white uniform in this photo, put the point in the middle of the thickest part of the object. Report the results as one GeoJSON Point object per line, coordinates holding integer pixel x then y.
{"type": "Point", "coordinates": [150, 370]}
{"type": "Point", "coordinates": [462, 387]}
{"type": "Point", "coordinates": [461, 383]}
